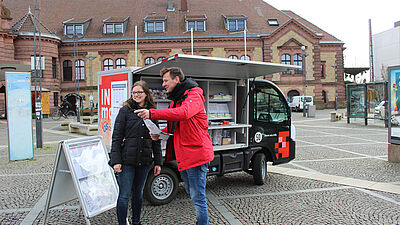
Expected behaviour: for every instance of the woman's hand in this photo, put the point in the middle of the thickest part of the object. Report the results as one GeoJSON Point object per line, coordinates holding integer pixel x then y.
{"type": "Point", "coordinates": [117, 168]}
{"type": "Point", "coordinates": [157, 170]}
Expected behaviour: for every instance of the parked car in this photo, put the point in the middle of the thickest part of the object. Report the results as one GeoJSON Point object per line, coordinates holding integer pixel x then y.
{"type": "Point", "coordinates": [297, 102]}
{"type": "Point", "coordinates": [380, 110]}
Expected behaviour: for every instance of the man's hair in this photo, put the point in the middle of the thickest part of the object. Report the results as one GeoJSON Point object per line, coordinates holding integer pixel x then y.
{"type": "Point", "coordinates": [173, 72]}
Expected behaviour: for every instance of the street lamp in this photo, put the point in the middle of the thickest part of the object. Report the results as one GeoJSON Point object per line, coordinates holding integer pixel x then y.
{"type": "Point", "coordinates": [90, 58]}
{"type": "Point", "coordinates": [303, 68]}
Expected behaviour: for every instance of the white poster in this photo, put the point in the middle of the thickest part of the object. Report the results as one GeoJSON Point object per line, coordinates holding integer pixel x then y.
{"type": "Point", "coordinates": [119, 94]}
{"type": "Point", "coordinates": [93, 176]}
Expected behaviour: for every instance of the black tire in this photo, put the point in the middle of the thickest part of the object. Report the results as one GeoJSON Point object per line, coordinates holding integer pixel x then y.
{"type": "Point", "coordinates": [161, 189]}
{"type": "Point", "coordinates": [259, 169]}
{"type": "Point", "coordinates": [55, 115]}
{"type": "Point", "coordinates": [71, 115]}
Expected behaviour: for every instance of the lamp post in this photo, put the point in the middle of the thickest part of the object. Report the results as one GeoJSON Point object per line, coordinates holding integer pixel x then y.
{"type": "Point", "coordinates": [303, 65]}
{"type": "Point", "coordinates": [75, 38]}
{"type": "Point", "coordinates": [91, 58]}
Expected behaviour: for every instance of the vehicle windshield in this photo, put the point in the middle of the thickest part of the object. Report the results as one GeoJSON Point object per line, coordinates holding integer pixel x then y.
{"type": "Point", "coordinates": [308, 99]}
{"type": "Point", "coordinates": [269, 107]}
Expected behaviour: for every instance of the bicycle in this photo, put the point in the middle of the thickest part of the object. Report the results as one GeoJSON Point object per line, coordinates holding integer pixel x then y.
{"type": "Point", "coordinates": [56, 115]}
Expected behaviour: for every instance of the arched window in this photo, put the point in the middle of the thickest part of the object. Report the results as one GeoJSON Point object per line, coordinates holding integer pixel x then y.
{"type": "Point", "coordinates": [245, 57]}
{"type": "Point", "coordinates": [149, 60]}
{"type": "Point", "coordinates": [160, 59]}
{"type": "Point", "coordinates": [298, 61]}
{"type": "Point", "coordinates": [324, 96]}
{"type": "Point", "coordinates": [108, 64]}
{"type": "Point", "coordinates": [232, 57]}
{"type": "Point", "coordinates": [120, 63]}
{"type": "Point", "coordinates": [67, 70]}
{"type": "Point", "coordinates": [79, 69]}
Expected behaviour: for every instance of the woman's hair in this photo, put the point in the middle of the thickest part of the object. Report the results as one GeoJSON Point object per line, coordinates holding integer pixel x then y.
{"type": "Point", "coordinates": [148, 101]}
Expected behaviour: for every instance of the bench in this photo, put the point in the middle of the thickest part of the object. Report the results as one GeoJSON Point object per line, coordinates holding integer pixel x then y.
{"type": "Point", "coordinates": [86, 129]}
{"type": "Point", "coordinates": [89, 119]}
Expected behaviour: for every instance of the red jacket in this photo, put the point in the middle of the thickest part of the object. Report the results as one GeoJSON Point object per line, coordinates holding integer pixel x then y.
{"type": "Point", "coordinates": [192, 142]}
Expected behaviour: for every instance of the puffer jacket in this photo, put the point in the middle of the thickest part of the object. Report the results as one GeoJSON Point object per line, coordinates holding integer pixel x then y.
{"type": "Point", "coordinates": [131, 132]}
{"type": "Point", "coordinates": [191, 142]}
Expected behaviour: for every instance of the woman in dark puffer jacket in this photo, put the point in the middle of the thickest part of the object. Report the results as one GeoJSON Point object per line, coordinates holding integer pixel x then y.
{"type": "Point", "coordinates": [132, 152]}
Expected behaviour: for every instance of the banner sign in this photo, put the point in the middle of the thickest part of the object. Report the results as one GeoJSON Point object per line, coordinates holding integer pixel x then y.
{"type": "Point", "coordinates": [394, 104]}
{"type": "Point", "coordinates": [19, 115]}
{"type": "Point", "coordinates": [114, 89]}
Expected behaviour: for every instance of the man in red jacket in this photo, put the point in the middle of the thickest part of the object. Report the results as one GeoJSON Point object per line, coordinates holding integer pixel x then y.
{"type": "Point", "coordinates": [191, 144]}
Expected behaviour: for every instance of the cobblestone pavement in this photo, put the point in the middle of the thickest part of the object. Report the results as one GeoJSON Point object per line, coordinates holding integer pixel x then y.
{"type": "Point", "coordinates": [324, 150]}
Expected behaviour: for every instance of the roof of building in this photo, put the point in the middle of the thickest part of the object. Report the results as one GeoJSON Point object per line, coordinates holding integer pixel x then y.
{"type": "Point", "coordinates": [257, 12]}
{"type": "Point", "coordinates": [26, 24]}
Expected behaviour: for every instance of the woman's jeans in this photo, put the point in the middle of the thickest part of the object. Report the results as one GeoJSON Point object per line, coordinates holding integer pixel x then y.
{"type": "Point", "coordinates": [131, 179]}
{"type": "Point", "coordinates": [195, 185]}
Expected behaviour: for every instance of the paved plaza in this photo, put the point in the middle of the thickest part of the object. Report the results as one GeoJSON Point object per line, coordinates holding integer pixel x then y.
{"type": "Point", "coordinates": [341, 175]}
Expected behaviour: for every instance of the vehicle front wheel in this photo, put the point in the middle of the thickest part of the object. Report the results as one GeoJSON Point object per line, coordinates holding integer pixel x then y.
{"type": "Point", "coordinates": [161, 189]}
{"type": "Point", "coordinates": [55, 115]}
{"type": "Point", "coordinates": [259, 169]}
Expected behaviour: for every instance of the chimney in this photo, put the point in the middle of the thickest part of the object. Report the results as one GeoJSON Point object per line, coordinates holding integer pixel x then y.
{"type": "Point", "coordinates": [184, 6]}
{"type": "Point", "coordinates": [170, 6]}
{"type": "Point", "coordinates": [397, 24]}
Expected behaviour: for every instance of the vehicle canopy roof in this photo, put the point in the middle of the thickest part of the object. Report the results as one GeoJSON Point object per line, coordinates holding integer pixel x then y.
{"type": "Point", "coordinates": [212, 67]}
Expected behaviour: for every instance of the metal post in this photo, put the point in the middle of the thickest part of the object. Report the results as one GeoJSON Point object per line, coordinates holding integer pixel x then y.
{"type": "Point", "coordinates": [91, 58]}
{"type": "Point", "coordinates": [38, 74]}
{"type": "Point", "coordinates": [303, 65]}
{"type": "Point", "coordinates": [77, 103]}
{"type": "Point", "coordinates": [245, 44]}
{"type": "Point", "coordinates": [191, 39]}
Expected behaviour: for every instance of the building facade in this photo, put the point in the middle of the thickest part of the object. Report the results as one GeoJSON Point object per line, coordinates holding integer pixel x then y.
{"type": "Point", "coordinates": [80, 38]}
{"type": "Point", "coordinates": [386, 46]}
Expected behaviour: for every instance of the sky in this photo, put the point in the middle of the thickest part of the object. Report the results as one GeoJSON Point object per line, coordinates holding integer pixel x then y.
{"type": "Point", "coordinates": [347, 20]}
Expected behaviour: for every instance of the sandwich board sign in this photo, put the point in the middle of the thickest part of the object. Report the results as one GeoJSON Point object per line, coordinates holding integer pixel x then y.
{"type": "Point", "coordinates": [81, 171]}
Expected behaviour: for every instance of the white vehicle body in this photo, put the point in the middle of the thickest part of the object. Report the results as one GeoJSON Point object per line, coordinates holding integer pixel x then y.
{"type": "Point", "coordinates": [297, 102]}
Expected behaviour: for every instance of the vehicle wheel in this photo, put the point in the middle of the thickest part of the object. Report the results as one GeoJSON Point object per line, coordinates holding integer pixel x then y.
{"type": "Point", "coordinates": [161, 189]}
{"type": "Point", "coordinates": [71, 115]}
{"type": "Point", "coordinates": [56, 115]}
{"type": "Point", "coordinates": [259, 168]}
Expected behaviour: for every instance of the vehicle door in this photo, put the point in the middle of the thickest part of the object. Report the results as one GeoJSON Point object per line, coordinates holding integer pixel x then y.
{"type": "Point", "coordinates": [271, 120]}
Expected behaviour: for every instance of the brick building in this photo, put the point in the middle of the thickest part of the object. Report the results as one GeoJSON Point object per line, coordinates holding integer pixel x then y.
{"type": "Point", "coordinates": [103, 33]}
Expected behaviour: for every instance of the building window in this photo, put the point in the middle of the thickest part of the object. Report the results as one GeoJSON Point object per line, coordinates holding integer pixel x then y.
{"type": "Point", "coordinates": [149, 60]}
{"type": "Point", "coordinates": [108, 64]}
{"type": "Point", "coordinates": [113, 28]}
{"type": "Point", "coordinates": [236, 24]}
{"type": "Point", "coordinates": [55, 98]}
{"type": "Point", "coordinates": [196, 25]}
{"type": "Point", "coordinates": [54, 66]}
{"type": "Point", "coordinates": [67, 70]}
{"type": "Point", "coordinates": [285, 59]}
{"type": "Point", "coordinates": [245, 57]}
{"type": "Point", "coordinates": [323, 71]}
{"type": "Point", "coordinates": [273, 22]}
{"type": "Point", "coordinates": [298, 61]}
{"type": "Point", "coordinates": [160, 59]}
{"type": "Point", "coordinates": [154, 27]}
{"type": "Point", "coordinates": [120, 63]}
{"type": "Point", "coordinates": [79, 69]}
{"type": "Point", "coordinates": [324, 96]}
{"type": "Point", "coordinates": [73, 29]}
{"type": "Point", "coordinates": [232, 57]}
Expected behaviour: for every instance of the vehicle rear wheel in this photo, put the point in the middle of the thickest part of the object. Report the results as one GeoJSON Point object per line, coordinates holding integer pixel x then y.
{"type": "Point", "coordinates": [55, 115]}
{"type": "Point", "coordinates": [161, 189]}
{"type": "Point", "coordinates": [259, 169]}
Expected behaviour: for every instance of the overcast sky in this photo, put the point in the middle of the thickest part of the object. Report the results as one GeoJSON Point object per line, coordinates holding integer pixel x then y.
{"type": "Point", "coordinates": [347, 20]}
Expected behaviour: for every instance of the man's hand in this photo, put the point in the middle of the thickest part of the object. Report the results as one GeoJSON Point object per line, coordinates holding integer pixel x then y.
{"type": "Point", "coordinates": [117, 168]}
{"type": "Point", "coordinates": [154, 137]}
{"type": "Point", "coordinates": [157, 170]}
{"type": "Point", "coordinates": [143, 113]}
